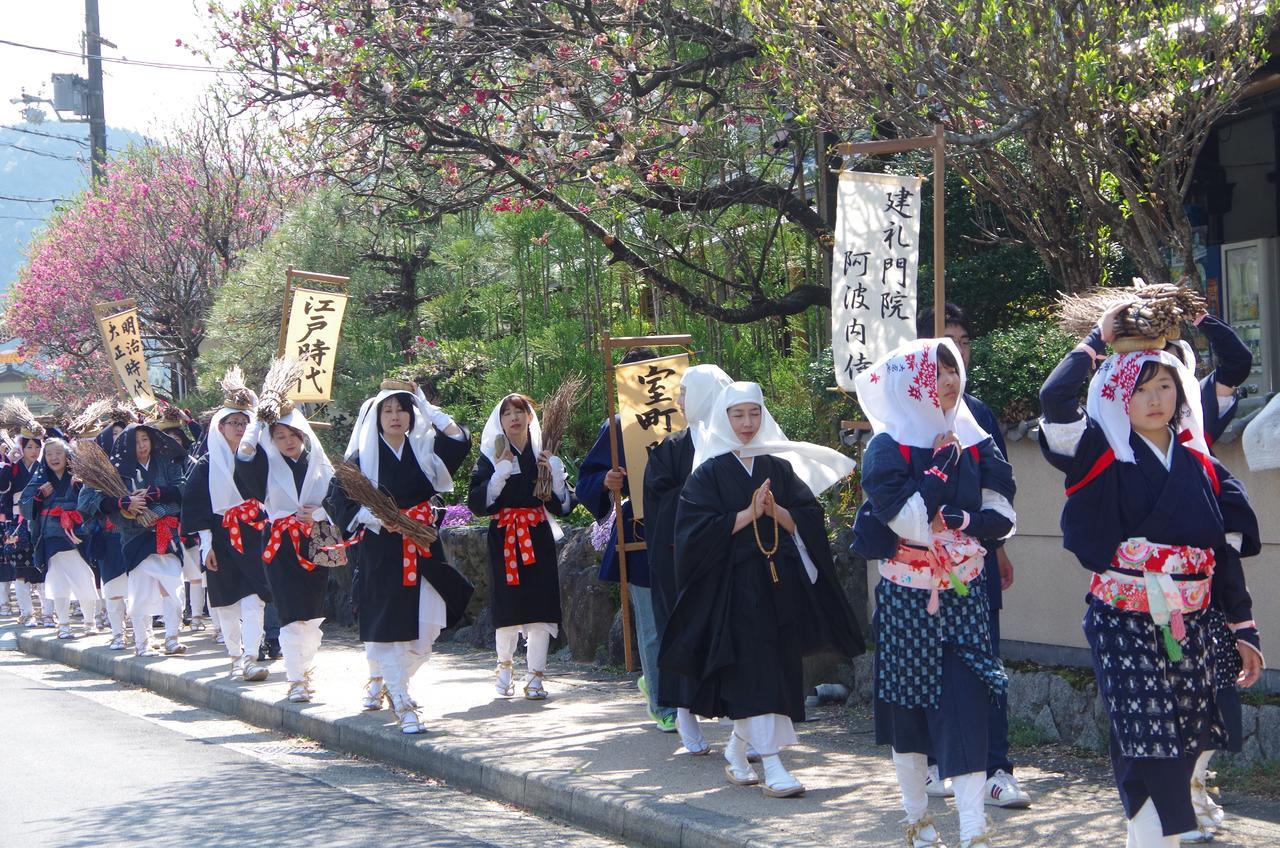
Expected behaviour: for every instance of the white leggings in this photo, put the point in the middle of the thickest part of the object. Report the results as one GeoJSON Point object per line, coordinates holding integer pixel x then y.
{"type": "Point", "coordinates": [768, 734]}
{"type": "Point", "coordinates": [70, 575]}
{"type": "Point", "coordinates": [113, 593]}
{"type": "Point", "coordinates": [1145, 830]}
{"type": "Point", "coordinates": [299, 642]}
{"type": "Point", "coordinates": [537, 640]}
{"type": "Point", "coordinates": [913, 771]}
{"type": "Point", "coordinates": [23, 591]}
{"type": "Point", "coordinates": [241, 624]}
{"type": "Point", "coordinates": [155, 588]}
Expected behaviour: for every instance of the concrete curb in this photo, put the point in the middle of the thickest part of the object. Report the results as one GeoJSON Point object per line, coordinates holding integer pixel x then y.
{"type": "Point", "coordinates": [636, 817]}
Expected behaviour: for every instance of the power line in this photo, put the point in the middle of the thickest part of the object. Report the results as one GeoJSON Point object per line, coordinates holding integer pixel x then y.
{"type": "Point", "coordinates": [62, 156]}
{"type": "Point", "coordinates": [33, 199]}
{"type": "Point", "coordinates": [20, 218]}
{"type": "Point", "coordinates": [167, 66]}
{"type": "Point", "coordinates": [79, 141]}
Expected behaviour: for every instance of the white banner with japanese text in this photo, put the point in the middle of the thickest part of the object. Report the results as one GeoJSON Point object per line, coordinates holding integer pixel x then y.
{"type": "Point", "coordinates": [649, 413]}
{"type": "Point", "coordinates": [122, 342]}
{"type": "Point", "coordinates": [315, 321]}
{"type": "Point", "coordinates": [874, 266]}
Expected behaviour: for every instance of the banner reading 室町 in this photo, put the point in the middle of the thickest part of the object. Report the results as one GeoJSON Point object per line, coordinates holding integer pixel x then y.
{"type": "Point", "coordinates": [649, 413]}
{"type": "Point", "coordinates": [315, 322]}
{"type": "Point", "coordinates": [122, 342]}
{"type": "Point", "coordinates": [873, 272]}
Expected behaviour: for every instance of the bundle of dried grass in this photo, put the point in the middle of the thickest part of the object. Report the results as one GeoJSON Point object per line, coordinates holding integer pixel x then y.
{"type": "Point", "coordinates": [95, 418]}
{"type": "Point", "coordinates": [125, 412]}
{"type": "Point", "coordinates": [1155, 315]}
{"type": "Point", "coordinates": [93, 467]}
{"type": "Point", "coordinates": [235, 392]}
{"type": "Point", "coordinates": [17, 416]}
{"type": "Point", "coordinates": [556, 414]}
{"type": "Point", "coordinates": [274, 403]}
{"type": "Point", "coordinates": [363, 491]}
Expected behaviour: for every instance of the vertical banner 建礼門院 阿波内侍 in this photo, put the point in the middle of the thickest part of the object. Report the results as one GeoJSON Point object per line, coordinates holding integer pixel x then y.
{"type": "Point", "coordinates": [873, 273]}
{"type": "Point", "coordinates": [649, 413]}
{"type": "Point", "coordinates": [122, 342]}
{"type": "Point", "coordinates": [315, 322]}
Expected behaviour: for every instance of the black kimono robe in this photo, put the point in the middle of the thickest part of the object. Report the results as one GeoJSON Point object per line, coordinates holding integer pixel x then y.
{"type": "Point", "coordinates": [387, 609]}
{"type": "Point", "coordinates": [741, 635]}
{"type": "Point", "coordinates": [536, 598]}
{"type": "Point", "coordinates": [239, 573]}
{"type": "Point", "coordinates": [16, 478]}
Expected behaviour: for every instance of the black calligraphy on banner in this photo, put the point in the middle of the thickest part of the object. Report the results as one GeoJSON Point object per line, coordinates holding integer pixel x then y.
{"type": "Point", "coordinates": [315, 321]}
{"type": "Point", "coordinates": [874, 269]}
{"type": "Point", "coordinates": [122, 341]}
{"type": "Point", "coordinates": [649, 409]}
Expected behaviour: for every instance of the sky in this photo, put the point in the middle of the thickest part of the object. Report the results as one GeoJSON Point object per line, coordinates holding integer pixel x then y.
{"type": "Point", "coordinates": [139, 98]}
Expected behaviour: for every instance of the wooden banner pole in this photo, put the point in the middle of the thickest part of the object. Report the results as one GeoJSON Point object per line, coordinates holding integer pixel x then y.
{"type": "Point", "coordinates": [939, 233]}
{"type": "Point", "coordinates": [611, 410]}
{"type": "Point", "coordinates": [288, 306]}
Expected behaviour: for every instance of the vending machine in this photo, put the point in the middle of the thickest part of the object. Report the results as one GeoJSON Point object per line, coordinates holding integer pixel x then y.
{"type": "Point", "coordinates": [1252, 305]}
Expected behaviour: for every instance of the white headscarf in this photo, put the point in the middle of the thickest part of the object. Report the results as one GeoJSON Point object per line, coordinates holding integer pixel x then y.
{"type": "Point", "coordinates": [493, 429]}
{"type": "Point", "coordinates": [818, 467]}
{"type": "Point", "coordinates": [1112, 387]}
{"type": "Point", "coordinates": [422, 438]}
{"type": "Point", "coordinates": [899, 396]}
{"type": "Point", "coordinates": [702, 385]}
{"type": "Point", "coordinates": [223, 493]}
{"type": "Point", "coordinates": [283, 497]}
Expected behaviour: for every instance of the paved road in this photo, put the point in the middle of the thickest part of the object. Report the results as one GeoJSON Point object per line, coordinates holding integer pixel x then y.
{"type": "Point", "coordinates": [85, 761]}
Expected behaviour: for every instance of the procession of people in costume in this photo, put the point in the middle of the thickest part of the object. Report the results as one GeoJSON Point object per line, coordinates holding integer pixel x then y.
{"type": "Point", "coordinates": [736, 585]}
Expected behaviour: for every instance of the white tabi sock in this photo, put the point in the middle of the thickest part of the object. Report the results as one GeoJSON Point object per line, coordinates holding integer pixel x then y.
{"type": "Point", "coordinates": [969, 804]}
{"type": "Point", "coordinates": [913, 770]}
{"type": "Point", "coordinates": [690, 731]}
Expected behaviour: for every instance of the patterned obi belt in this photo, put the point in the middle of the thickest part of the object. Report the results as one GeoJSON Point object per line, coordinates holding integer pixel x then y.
{"type": "Point", "coordinates": [952, 561]}
{"type": "Point", "coordinates": [1142, 580]}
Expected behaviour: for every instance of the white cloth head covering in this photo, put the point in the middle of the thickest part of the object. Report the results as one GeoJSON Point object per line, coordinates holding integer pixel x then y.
{"type": "Point", "coordinates": [223, 493]}
{"type": "Point", "coordinates": [283, 497]}
{"type": "Point", "coordinates": [702, 385]}
{"type": "Point", "coordinates": [493, 429]}
{"type": "Point", "coordinates": [818, 467]}
{"type": "Point", "coordinates": [422, 438]}
{"type": "Point", "coordinates": [1112, 387]}
{"type": "Point", "coordinates": [899, 396]}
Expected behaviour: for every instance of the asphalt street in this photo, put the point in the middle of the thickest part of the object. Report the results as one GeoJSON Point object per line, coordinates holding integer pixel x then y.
{"type": "Point", "coordinates": [89, 762]}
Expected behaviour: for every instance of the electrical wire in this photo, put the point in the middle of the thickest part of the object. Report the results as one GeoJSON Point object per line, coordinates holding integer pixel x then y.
{"type": "Point", "coordinates": [33, 199]}
{"type": "Point", "coordinates": [167, 66]}
{"type": "Point", "coordinates": [62, 156]}
{"type": "Point", "coordinates": [80, 141]}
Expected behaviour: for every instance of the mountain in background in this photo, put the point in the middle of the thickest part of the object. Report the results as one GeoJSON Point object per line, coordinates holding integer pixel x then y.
{"type": "Point", "coordinates": [41, 162]}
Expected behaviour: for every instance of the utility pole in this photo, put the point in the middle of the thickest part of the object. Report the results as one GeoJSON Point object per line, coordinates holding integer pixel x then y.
{"type": "Point", "coordinates": [97, 116]}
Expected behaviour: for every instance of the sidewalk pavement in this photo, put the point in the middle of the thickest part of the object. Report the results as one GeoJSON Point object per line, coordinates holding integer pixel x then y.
{"type": "Point", "coordinates": [590, 756]}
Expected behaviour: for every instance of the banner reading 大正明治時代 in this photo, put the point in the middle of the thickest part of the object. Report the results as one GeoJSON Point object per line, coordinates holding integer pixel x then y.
{"type": "Point", "coordinates": [315, 322]}
{"type": "Point", "coordinates": [122, 342]}
{"type": "Point", "coordinates": [873, 273]}
{"type": "Point", "coordinates": [649, 413]}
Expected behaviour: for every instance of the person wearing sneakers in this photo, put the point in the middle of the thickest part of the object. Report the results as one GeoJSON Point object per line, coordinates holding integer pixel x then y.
{"type": "Point", "coordinates": [934, 486]}
{"type": "Point", "coordinates": [522, 538]}
{"type": "Point", "coordinates": [405, 597]}
{"type": "Point", "coordinates": [49, 503]}
{"type": "Point", "coordinates": [1002, 788]}
{"type": "Point", "coordinates": [291, 473]}
{"type": "Point", "coordinates": [220, 505]}
{"type": "Point", "coordinates": [670, 464]}
{"type": "Point", "coordinates": [151, 466]}
{"type": "Point", "coordinates": [756, 582]}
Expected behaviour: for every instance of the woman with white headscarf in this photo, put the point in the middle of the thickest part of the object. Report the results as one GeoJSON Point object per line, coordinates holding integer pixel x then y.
{"type": "Point", "coordinates": [522, 538]}
{"type": "Point", "coordinates": [935, 484]}
{"type": "Point", "coordinates": [220, 505]}
{"type": "Point", "coordinates": [289, 471]}
{"type": "Point", "coordinates": [1162, 526]}
{"type": "Point", "coordinates": [403, 597]}
{"type": "Point", "coordinates": [669, 466]}
{"type": "Point", "coordinates": [757, 586]}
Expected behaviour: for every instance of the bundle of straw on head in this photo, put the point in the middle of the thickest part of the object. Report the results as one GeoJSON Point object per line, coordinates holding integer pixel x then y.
{"type": "Point", "coordinates": [235, 392]}
{"type": "Point", "coordinates": [274, 403]}
{"type": "Point", "coordinates": [363, 491]}
{"type": "Point", "coordinates": [95, 418]}
{"type": "Point", "coordinates": [1154, 317]}
{"type": "Point", "coordinates": [556, 414]}
{"type": "Point", "coordinates": [17, 416]}
{"type": "Point", "coordinates": [95, 470]}
{"type": "Point", "coordinates": [125, 412]}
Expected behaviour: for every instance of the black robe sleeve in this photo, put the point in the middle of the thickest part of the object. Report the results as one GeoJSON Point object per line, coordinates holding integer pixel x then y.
{"type": "Point", "coordinates": [197, 510]}
{"type": "Point", "coordinates": [478, 489]}
{"type": "Point", "coordinates": [453, 452]}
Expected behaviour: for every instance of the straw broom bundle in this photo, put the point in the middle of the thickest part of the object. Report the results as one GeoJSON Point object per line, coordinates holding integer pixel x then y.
{"type": "Point", "coordinates": [92, 465]}
{"type": "Point", "coordinates": [363, 491]}
{"type": "Point", "coordinates": [94, 417]}
{"type": "Point", "coordinates": [17, 415]}
{"type": "Point", "coordinates": [274, 403]}
{"type": "Point", "coordinates": [1154, 317]}
{"type": "Point", "coordinates": [556, 414]}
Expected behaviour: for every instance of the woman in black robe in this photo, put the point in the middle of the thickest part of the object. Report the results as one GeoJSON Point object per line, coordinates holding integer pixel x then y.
{"type": "Point", "coordinates": [220, 505]}
{"type": "Point", "coordinates": [670, 464]}
{"type": "Point", "coordinates": [757, 588]}
{"type": "Point", "coordinates": [17, 539]}
{"type": "Point", "coordinates": [522, 545]}
{"type": "Point", "coordinates": [410, 449]}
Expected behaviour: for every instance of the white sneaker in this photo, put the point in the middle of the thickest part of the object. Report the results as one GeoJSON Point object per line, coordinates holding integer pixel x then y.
{"type": "Point", "coordinates": [936, 787]}
{"type": "Point", "coordinates": [1002, 790]}
{"type": "Point", "coordinates": [923, 834]}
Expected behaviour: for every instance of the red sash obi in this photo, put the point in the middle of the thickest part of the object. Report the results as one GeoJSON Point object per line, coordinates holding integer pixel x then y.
{"type": "Point", "coordinates": [166, 529]}
{"type": "Point", "coordinates": [952, 561]}
{"type": "Point", "coordinates": [245, 512]}
{"type": "Point", "coordinates": [517, 541]}
{"type": "Point", "coordinates": [411, 550]}
{"type": "Point", "coordinates": [296, 528]}
{"type": "Point", "coordinates": [1152, 589]}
